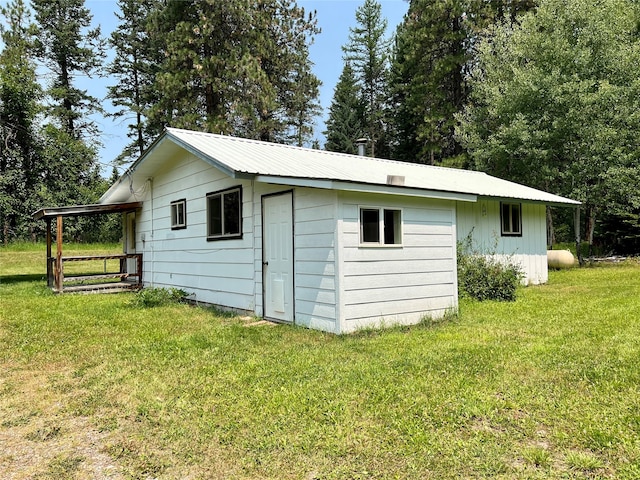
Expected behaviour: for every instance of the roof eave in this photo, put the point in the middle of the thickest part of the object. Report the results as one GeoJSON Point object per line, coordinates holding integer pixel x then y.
{"type": "Point", "coordinates": [331, 184]}
{"type": "Point", "coordinates": [90, 209]}
{"type": "Point", "coordinates": [564, 202]}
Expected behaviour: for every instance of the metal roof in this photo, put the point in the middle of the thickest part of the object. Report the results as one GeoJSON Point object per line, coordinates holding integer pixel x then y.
{"type": "Point", "coordinates": [277, 163]}
{"type": "Point", "coordinates": [94, 209]}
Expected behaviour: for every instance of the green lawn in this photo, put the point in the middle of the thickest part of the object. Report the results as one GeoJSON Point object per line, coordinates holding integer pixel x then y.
{"type": "Point", "coordinates": [546, 387]}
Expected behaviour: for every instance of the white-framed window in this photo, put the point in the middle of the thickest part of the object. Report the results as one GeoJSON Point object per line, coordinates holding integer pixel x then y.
{"type": "Point", "coordinates": [511, 219]}
{"type": "Point", "coordinates": [179, 214]}
{"type": "Point", "coordinates": [380, 226]}
{"type": "Point", "coordinates": [224, 214]}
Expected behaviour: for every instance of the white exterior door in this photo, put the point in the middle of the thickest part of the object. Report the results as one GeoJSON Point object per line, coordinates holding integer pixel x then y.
{"type": "Point", "coordinates": [277, 256]}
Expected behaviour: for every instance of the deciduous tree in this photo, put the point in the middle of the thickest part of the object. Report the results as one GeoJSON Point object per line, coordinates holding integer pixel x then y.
{"type": "Point", "coordinates": [555, 101]}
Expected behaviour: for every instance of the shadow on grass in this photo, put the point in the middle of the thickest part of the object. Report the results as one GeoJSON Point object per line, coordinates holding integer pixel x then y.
{"type": "Point", "coordinates": [33, 277]}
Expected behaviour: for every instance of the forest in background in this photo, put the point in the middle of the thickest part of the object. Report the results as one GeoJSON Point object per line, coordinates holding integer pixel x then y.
{"type": "Point", "coordinates": [540, 92]}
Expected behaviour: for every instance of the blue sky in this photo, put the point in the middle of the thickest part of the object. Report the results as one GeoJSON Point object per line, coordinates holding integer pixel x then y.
{"type": "Point", "coordinates": [334, 18]}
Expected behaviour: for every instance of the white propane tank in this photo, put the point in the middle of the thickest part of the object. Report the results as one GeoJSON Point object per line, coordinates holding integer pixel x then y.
{"type": "Point", "coordinates": [560, 259]}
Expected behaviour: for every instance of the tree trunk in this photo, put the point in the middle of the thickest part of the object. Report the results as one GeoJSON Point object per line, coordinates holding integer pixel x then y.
{"type": "Point", "coordinates": [590, 225]}
{"type": "Point", "coordinates": [66, 101]}
{"type": "Point", "coordinates": [576, 220]}
{"type": "Point", "coordinates": [551, 232]}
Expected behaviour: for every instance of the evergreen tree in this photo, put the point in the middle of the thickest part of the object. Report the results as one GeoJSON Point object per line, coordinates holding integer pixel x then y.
{"type": "Point", "coordinates": [136, 60]}
{"type": "Point", "coordinates": [344, 125]}
{"type": "Point", "coordinates": [19, 92]}
{"type": "Point", "coordinates": [368, 52]}
{"type": "Point", "coordinates": [301, 103]}
{"type": "Point", "coordinates": [69, 48]}
{"type": "Point", "coordinates": [434, 49]}
{"type": "Point", "coordinates": [236, 67]}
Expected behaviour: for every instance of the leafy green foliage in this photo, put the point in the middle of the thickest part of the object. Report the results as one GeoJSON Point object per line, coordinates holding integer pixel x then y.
{"type": "Point", "coordinates": [555, 101]}
{"type": "Point", "coordinates": [19, 96]}
{"type": "Point", "coordinates": [484, 276]}
{"type": "Point", "coordinates": [68, 47]}
{"type": "Point", "coordinates": [136, 61]}
{"type": "Point", "coordinates": [158, 297]}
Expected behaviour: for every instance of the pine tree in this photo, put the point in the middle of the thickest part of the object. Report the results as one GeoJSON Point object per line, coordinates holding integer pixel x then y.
{"type": "Point", "coordinates": [19, 93]}
{"type": "Point", "coordinates": [135, 64]}
{"type": "Point", "coordinates": [238, 68]}
{"type": "Point", "coordinates": [69, 48]}
{"type": "Point", "coordinates": [434, 49]}
{"type": "Point", "coordinates": [344, 125]}
{"type": "Point", "coordinates": [368, 52]}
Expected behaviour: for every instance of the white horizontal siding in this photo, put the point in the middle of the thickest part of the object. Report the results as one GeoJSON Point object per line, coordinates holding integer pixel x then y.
{"type": "Point", "coordinates": [220, 272]}
{"type": "Point", "coordinates": [397, 284]}
{"type": "Point", "coordinates": [315, 258]}
{"type": "Point", "coordinates": [314, 255]}
{"type": "Point", "coordinates": [482, 221]}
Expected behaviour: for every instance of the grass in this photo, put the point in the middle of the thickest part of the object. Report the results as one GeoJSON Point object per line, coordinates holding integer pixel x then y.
{"type": "Point", "coordinates": [546, 387]}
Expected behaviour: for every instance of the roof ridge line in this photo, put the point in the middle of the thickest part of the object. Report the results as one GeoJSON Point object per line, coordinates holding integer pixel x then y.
{"type": "Point", "coordinates": [323, 152]}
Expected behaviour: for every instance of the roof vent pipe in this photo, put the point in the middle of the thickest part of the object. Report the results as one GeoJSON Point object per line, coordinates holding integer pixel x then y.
{"type": "Point", "coordinates": [361, 143]}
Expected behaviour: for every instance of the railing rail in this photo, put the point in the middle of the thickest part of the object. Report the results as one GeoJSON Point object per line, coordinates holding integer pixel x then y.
{"type": "Point", "coordinates": [95, 280]}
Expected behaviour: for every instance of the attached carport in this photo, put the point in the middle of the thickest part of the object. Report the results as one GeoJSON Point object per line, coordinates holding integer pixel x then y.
{"type": "Point", "coordinates": [91, 282]}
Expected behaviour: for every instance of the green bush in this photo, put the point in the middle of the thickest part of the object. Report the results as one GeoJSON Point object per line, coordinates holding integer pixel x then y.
{"type": "Point", "coordinates": [155, 297]}
{"type": "Point", "coordinates": [484, 277]}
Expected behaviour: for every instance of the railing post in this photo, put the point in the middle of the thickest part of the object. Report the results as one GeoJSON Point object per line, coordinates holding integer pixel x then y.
{"type": "Point", "coordinates": [58, 269]}
{"type": "Point", "coordinates": [139, 267]}
{"type": "Point", "coordinates": [49, 259]}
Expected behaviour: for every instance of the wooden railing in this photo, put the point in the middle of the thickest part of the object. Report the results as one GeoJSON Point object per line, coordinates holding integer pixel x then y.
{"type": "Point", "coordinates": [96, 280]}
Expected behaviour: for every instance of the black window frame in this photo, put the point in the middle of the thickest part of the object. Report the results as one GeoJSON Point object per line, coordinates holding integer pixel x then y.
{"type": "Point", "coordinates": [223, 195]}
{"type": "Point", "coordinates": [507, 213]}
{"type": "Point", "coordinates": [389, 229]}
{"type": "Point", "coordinates": [174, 214]}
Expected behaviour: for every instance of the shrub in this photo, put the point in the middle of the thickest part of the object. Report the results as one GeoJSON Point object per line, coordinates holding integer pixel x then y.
{"type": "Point", "coordinates": [484, 277]}
{"type": "Point", "coordinates": [155, 297]}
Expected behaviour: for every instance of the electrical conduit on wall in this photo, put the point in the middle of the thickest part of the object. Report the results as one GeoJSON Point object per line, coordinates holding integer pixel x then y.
{"type": "Point", "coordinates": [152, 262]}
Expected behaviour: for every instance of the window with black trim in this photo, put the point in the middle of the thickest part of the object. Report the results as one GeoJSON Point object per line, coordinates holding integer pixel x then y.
{"type": "Point", "coordinates": [511, 219]}
{"type": "Point", "coordinates": [380, 226]}
{"type": "Point", "coordinates": [224, 214]}
{"type": "Point", "coordinates": [179, 214]}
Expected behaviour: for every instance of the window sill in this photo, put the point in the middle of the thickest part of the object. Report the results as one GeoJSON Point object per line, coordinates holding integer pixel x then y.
{"type": "Point", "coordinates": [381, 245]}
{"type": "Point", "coordinates": [227, 237]}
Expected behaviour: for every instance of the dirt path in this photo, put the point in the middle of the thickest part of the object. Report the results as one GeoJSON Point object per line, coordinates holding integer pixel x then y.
{"type": "Point", "coordinates": [40, 439]}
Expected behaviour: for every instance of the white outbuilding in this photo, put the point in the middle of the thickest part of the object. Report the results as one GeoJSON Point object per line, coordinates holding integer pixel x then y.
{"type": "Point", "coordinates": [330, 241]}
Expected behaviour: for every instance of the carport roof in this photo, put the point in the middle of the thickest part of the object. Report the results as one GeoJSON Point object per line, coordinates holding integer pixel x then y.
{"type": "Point", "coordinates": [81, 210]}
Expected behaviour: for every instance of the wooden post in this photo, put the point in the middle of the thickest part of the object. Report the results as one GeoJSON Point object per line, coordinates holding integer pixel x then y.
{"type": "Point", "coordinates": [49, 265]}
{"type": "Point", "coordinates": [58, 272]}
{"type": "Point", "coordinates": [139, 267]}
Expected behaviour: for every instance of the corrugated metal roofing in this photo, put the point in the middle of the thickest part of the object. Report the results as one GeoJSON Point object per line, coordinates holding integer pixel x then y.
{"type": "Point", "coordinates": [244, 157]}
